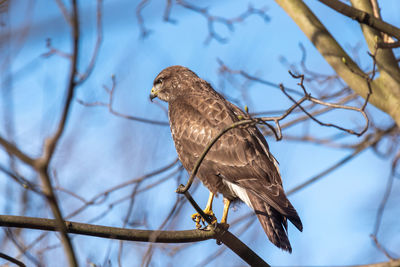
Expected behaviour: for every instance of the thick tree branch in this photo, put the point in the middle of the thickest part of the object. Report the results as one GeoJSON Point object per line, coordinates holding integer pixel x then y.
{"type": "Point", "coordinates": [108, 232]}
{"type": "Point", "coordinates": [363, 17]}
{"type": "Point", "coordinates": [388, 67]}
{"type": "Point", "coordinates": [219, 233]}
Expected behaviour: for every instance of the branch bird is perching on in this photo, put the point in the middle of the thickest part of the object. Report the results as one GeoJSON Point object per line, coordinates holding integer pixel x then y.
{"type": "Point", "coordinates": [218, 232]}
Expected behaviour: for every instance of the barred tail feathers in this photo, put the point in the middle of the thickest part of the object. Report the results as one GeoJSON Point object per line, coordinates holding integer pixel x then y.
{"type": "Point", "coordinates": [273, 223]}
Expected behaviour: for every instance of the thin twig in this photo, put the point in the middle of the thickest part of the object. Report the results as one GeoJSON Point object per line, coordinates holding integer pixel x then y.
{"type": "Point", "coordinates": [54, 51]}
{"type": "Point", "coordinates": [149, 252]}
{"type": "Point", "coordinates": [382, 206]}
{"type": "Point", "coordinates": [21, 247]}
{"type": "Point", "coordinates": [366, 143]}
{"type": "Point", "coordinates": [167, 12]}
{"type": "Point", "coordinates": [65, 12]}
{"type": "Point", "coordinates": [380, 247]}
{"type": "Point", "coordinates": [100, 197]}
{"type": "Point", "coordinates": [109, 105]}
{"type": "Point", "coordinates": [144, 32]}
{"type": "Point", "coordinates": [11, 259]}
{"type": "Point", "coordinates": [99, 40]}
{"type": "Point", "coordinates": [21, 180]}
{"type": "Point", "coordinates": [332, 105]}
{"type": "Point", "coordinates": [229, 23]}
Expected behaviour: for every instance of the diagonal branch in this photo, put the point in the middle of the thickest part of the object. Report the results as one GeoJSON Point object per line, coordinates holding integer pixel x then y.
{"type": "Point", "coordinates": [222, 235]}
{"type": "Point", "coordinates": [14, 150]}
{"type": "Point", "coordinates": [363, 17]}
{"type": "Point", "coordinates": [11, 259]}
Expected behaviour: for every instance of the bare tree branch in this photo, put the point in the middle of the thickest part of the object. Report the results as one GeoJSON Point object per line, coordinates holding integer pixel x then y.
{"type": "Point", "coordinates": [108, 232]}
{"type": "Point", "coordinates": [386, 195]}
{"type": "Point", "coordinates": [65, 12]}
{"type": "Point", "coordinates": [11, 259]}
{"type": "Point", "coordinates": [23, 249]}
{"type": "Point", "coordinates": [219, 233]}
{"type": "Point", "coordinates": [380, 247]}
{"type": "Point", "coordinates": [144, 31]}
{"type": "Point", "coordinates": [25, 183]}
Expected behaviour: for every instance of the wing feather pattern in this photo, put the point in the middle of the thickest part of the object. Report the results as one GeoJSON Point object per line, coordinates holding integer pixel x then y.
{"type": "Point", "coordinates": [241, 157]}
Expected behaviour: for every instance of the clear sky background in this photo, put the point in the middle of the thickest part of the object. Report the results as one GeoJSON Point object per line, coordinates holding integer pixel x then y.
{"type": "Point", "coordinates": [99, 150]}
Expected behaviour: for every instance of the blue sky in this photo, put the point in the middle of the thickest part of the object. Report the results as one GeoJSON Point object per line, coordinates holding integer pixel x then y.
{"type": "Point", "coordinates": [99, 150]}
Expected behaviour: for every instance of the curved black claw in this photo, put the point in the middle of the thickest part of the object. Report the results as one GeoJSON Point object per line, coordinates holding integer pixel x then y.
{"type": "Point", "coordinates": [200, 222]}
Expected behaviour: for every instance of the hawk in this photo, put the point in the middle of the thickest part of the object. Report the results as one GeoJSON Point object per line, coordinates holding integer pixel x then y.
{"type": "Point", "coordinates": [239, 165]}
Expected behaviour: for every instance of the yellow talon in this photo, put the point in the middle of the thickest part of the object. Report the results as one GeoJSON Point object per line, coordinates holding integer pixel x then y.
{"type": "Point", "coordinates": [196, 217]}
{"type": "Point", "coordinates": [208, 211]}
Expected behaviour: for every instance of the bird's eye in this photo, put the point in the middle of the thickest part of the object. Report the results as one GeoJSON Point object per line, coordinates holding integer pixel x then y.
{"type": "Point", "coordinates": [159, 81]}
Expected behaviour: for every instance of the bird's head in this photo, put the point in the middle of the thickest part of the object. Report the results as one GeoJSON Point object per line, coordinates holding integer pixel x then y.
{"type": "Point", "coordinates": [172, 82]}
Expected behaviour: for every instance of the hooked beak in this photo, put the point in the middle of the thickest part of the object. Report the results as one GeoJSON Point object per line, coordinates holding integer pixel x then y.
{"type": "Point", "coordinates": [153, 94]}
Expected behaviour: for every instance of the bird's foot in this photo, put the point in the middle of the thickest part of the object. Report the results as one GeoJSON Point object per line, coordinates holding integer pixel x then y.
{"type": "Point", "coordinates": [196, 217]}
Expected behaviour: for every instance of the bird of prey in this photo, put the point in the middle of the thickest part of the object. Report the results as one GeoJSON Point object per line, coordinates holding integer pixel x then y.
{"type": "Point", "coordinates": [239, 165]}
